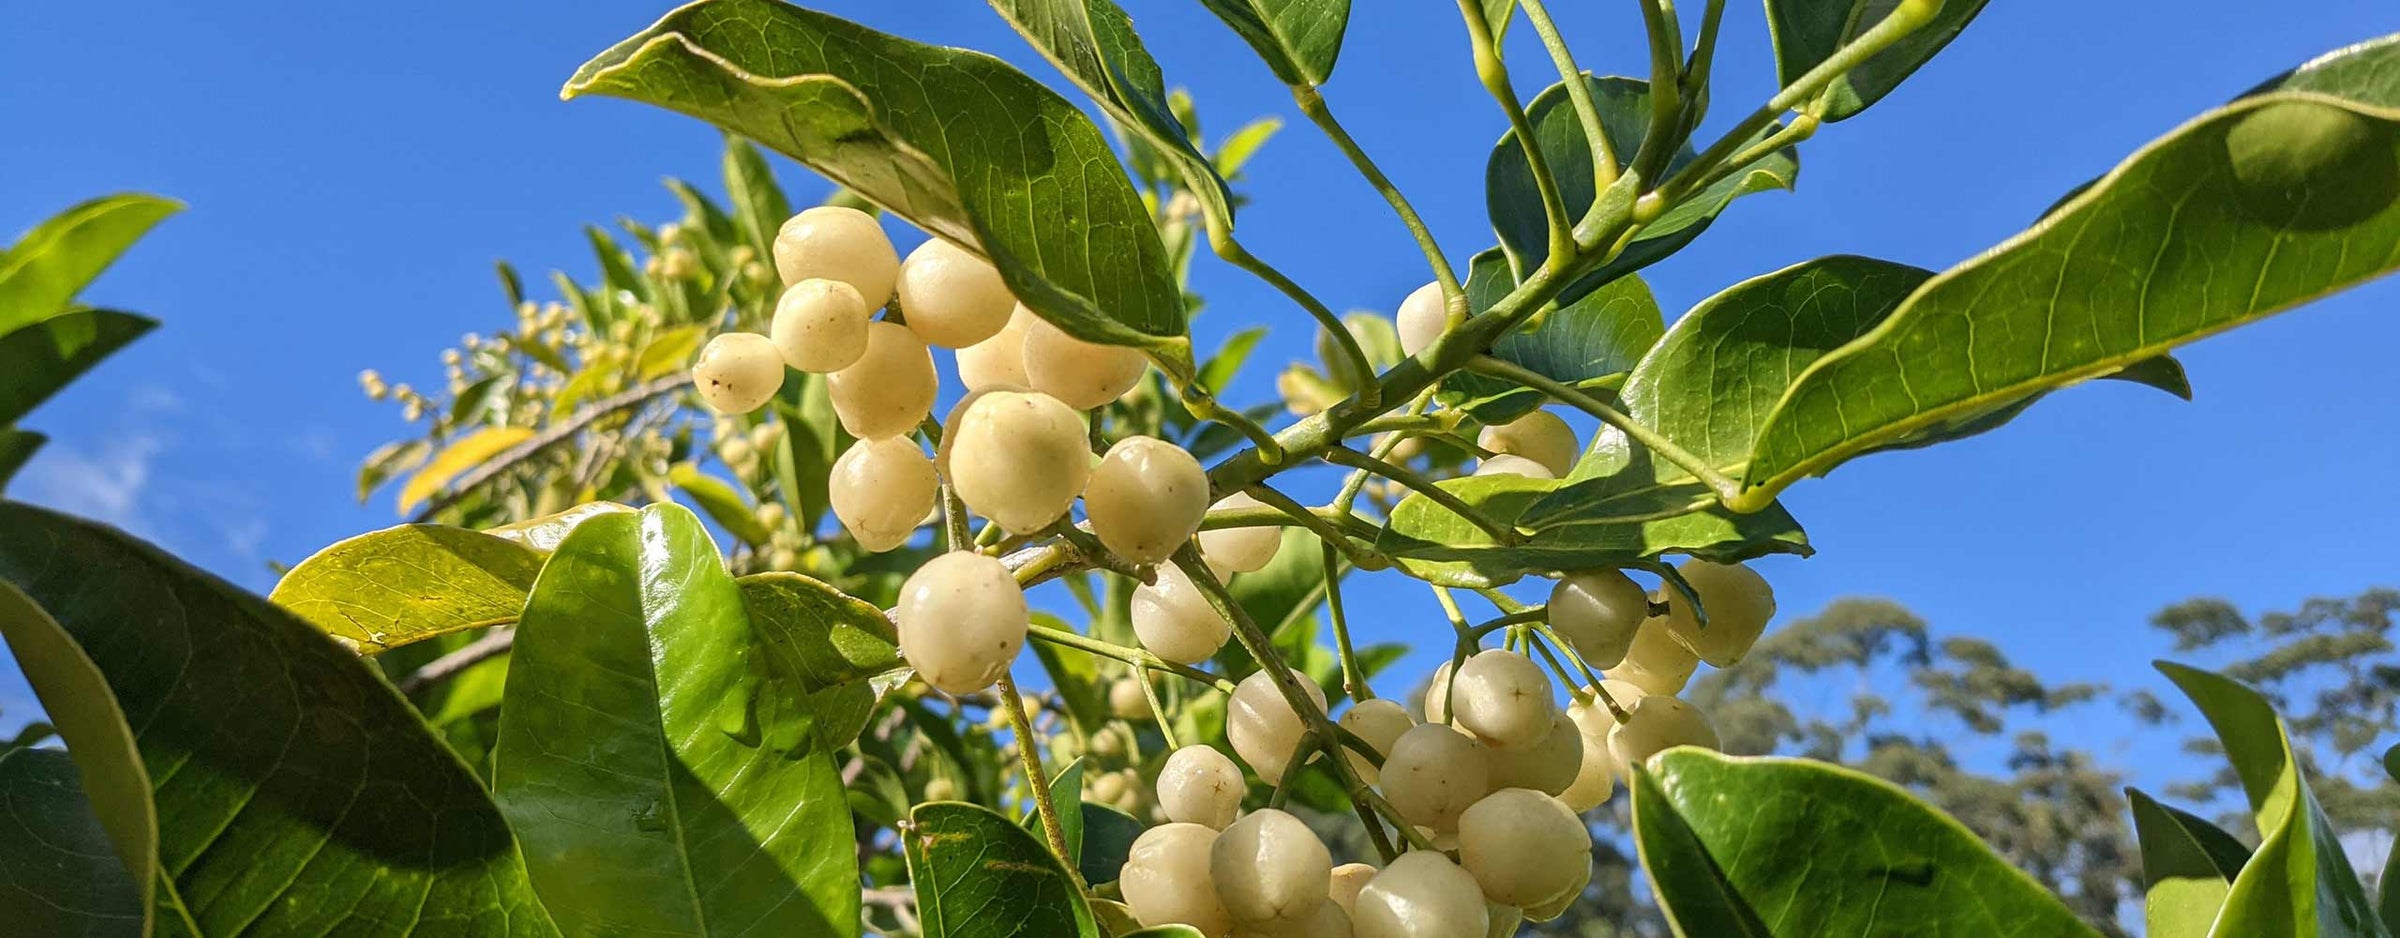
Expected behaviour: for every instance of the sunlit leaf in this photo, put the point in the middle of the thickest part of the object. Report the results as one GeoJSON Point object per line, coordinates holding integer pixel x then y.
{"type": "Point", "coordinates": [979, 876]}
{"type": "Point", "coordinates": [41, 274]}
{"type": "Point", "coordinates": [1808, 32]}
{"type": "Point", "coordinates": [462, 455]}
{"type": "Point", "coordinates": [2188, 866]}
{"type": "Point", "coordinates": [404, 584]}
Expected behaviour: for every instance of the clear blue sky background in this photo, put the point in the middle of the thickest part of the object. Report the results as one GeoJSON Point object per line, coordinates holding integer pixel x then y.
{"type": "Point", "coordinates": [354, 169]}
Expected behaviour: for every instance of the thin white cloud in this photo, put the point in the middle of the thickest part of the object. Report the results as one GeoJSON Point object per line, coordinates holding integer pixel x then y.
{"type": "Point", "coordinates": [105, 483]}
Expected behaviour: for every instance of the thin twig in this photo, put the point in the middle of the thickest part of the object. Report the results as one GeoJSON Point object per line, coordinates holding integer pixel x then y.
{"type": "Point", "coordinates": [493, 644]}
{"type": "Point", "coordinates": [1345, 456]}
{"type": "Point", "coordinates": [555, 434]}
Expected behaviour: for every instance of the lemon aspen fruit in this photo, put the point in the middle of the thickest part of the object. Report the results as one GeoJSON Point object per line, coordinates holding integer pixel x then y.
{"type": "Point", "coordinates": [951, 297]}
{"type": "Point", "coordinates": [1503, 698]}
{"type": "Point", "coordinates": [1549, 766]}
{"type": "Point", "coordinates": [1505, 919]}
{"type": "Point", "coordinates": [820, 326]}
{"type": "Point", "coordinates": [1379, 721]}
{"type": "Point", "coordinates": [1437, 695]}
{"type": "Point", "coordinates": [1506, 465]}
{"type": "Point", "coordinates": [1145, 499]}
{"type": "Point", "coordinates": [1596, 777]}
{"type": "Point", "coordinates": [1262, 726]}
{"type": "Point", "coordinates": [1166, 881]}
{"type": "Point", "coordinates": [882, 490]}
{"type": "Point", "coordinates": [1598, 612]}
{"type": "Point", "coordinates": [1738, 602]}
{"type": "Point", "coordinates": [1271, 871]}
{"type": "Point", "coordinates": [1348, 879]}
{"type": "Point", "coordinates": [1523, 847]}
{"type": "Point", "coordinates": [890, 389]}
{"type": "Point", "coordinates": [1539, 436]}
{"type": "Point", "coordinates": [1019, 458]}
{"type": "Point", "coordinates": [1107, 788]}
{"type": "Point", "coordinates": [836, 242]}
{"type": "Point", "coordinates": [1328, 921]}
{"type": "Point", "coordinates": [1433, 773]}
{"type": "Point", "coordinates": [1558, 904]}
{"type": "Point", "coordinates": [941, 789]}
{"type": "Point", "coordinates": [1174, 619]}
{"type": "Point", "coordinates": [1126, 700]}
{"type": "Point", "coordinates": [1423, 317]}
{"type": "Point", "coordinates": [961, 618]}
{"type": "Point", "coordinates": [950, 425]}
{"type": "Point", "coordinates": [999, 361]}
{"type": "Point", "coordinates": [1656, 724]}
{"type": "Point", "coordinates": [1199, 785]}
{"type": "Point", "coordinates": [737, 372]}
{"type": "Point", "coordinates": [1240, 550]}
{"type": "Point", "coordinates": [1083, 374]}
{"type": "Point", "coordinates": [1421, 895]}
{"type": "Point", "coordinates": [1655, 661]}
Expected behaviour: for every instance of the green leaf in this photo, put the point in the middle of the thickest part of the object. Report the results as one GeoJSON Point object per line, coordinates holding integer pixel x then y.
{"type": "Point", "coordinates": [657, 779]}
{"type": "Point", "coordinates": [2298, 882]}
{"type": "Point", "coordinates": [38, 360]}
{"type": "Point", "coordinates": [1808, 32]}
{"type": "Point", "coordinates": [389, 459]}
{"type": "Point", "coordinates": [544, 532]}
{"type": "Point", "coordinates": [388, 588]}
{"type": "Point", "coordinates": [2387, 885]}
{"type": "Point", "coordinates": [41, 274]}
{"type": "Point", "coordinates": [1433, 543]}
{"type": "Point", "coordinates": [59, 874]}
{"type": "Point", "coordinates": [958, 142]}
{"type": "Point", "coordinates": [1604, 332]}
{"type": "Point", "coordinates": [295, 792]}
{"type": "Point", "coordinates": [1108, 836]}
{"type": "Point", "coordinates": [1499, 13]}
{"type": "Point", "coordinates": [2188, 866]}
{"type": "Point", "coordinates": [1826, 851]}
{"type": "Point", "coordinates": [113, 783]}
{"type": "Point", "coordinates": [1066, 795]}
{"type": "Point", "coordinates": [616, 266]}
{"type": "Point", "coordinates": [825, 647]}
{"type": "Point", "coordinates": [669, 351]}
{"type": "Point", "coordinates": [759, 205]}
{"type": "Point", "coordinates": [1299, 39]}
{"type": "Point", "coordinates": [17, 446]}
{"type": "Point", "coordinates": [979, 876]}
{"type": "Point", "coordinates": [1243, 144]}
{"type": "Point", "coordinates": [725, 505]}
{"type": "Point", "coordinates": [1220, 369]}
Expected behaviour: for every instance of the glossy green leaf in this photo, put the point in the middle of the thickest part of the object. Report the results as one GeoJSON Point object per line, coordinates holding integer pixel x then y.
{"type": "Point", "coordinates": [113, 781]}
{"type": "Point", "coordinates": [979, 876]}
{"type": "Point", "coordinates": [958, 142]}
{"type": "Point", "coordinates": [725, 505]}
{"type": "Point", "coordinates": [2298, 882]}
{"type": "Point", "coordinates": [2188, 865]}
{"type": "Point", "coordinates": [1108, 836]}
{"type": "Point", "coordinates": [544, 532]}
{"type": "Point", "coordinates": [387, 588]}
{"type": "Point", "coordinates": [1818, 849]}
{"type": "Point", "coordinates": [1807, 32]}
{"type": "Point", "coordinates": [59, 873]}
{"type": "Point", "coordinates": [1603, 332]}
{"type": "Point", "coordinates": [824, 647]}
{"type": "Point", "coordinates": [41, 274]}
{"type": "Point", "coordinates": [38, 360]}
{"type": "Point", "coordinates": [1434, 543]}
{"type": "Point", "coordinates": [1299, 39]}
{"type": "Point", "coordinates": [648, 759]}
{"type": "Point", "coordinates": [331, 807]}
{"type": "Point", "coordinates": [16, 447]}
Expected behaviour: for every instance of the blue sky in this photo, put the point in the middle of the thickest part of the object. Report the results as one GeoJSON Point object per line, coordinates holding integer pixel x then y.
{"type": "Point", "coordinates": [353, 170]}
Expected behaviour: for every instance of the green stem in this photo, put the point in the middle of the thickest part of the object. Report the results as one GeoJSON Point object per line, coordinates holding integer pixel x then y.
{"type": "Point", "coordinates": [1273, 517]}
{"type": "Point", "coordinates": [1382, 450]}
{"type": "Point", "coordinates": [1704, 56]}
{"type": "Point", "coordinates": [1518, 617]}
{"type": "Point", "coordinates": [1204, 405]}
{"type": "Point", "coordinates": [1590, 679]}
{"type": "Point", "coordinates": [1363, 557]}
{"type": "Point", "coordinates": [1158, 712]}
{"type": "Point", "coordinates": [1725, 488]}
{"type": "Point", "coordinates": [1092, 551]}
{"type": "Point", "coordinates": [1354, 678]}
{"type": "Point", "coordinates": [1666, 100]}
{"type": "Point", "coordinates": [1036, 778]}
{"type": "Point", "coordinates": [1575, 688]}
{"type": "Point", "coordinates": [1134, 656]}
{"type": "Point", "coordinates": [1292, 768]}
{"type": "Point", "coordinates": [1312, 104]}
{"type": "Point", "coordinates": [1369, 393]}
{"type": "Point", "coordinates": [1345, 456]}
{"type": "Point", "coordinates": [1579, 94]}
{"type": "Point", "coordinates": [1494, 74]}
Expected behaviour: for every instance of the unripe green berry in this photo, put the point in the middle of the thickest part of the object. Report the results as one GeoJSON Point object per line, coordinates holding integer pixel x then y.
{"type": "Point", "coordinates": [1379, 721]}
{"type": "Point", "coordinates": [1174, 619]}
{"type": "Point", "coordinates": [1506, 465]}
{"type": "Point", "coordinates": [1240, 550]}
{"type": "Point", "coordinates": [882, 490]}
{"type": "Point", "coordinates": [737, 372]}
{"type": "Point", "coordinates": [998, 362]}
{"type": "Point", "coordinates": [1145, 498]}
{"type": "Point", "coordinates": [1503, 698]}
{"type": "Point", "coordinates": [1433, 773]}
{"type": "Point", "coordinates": [1539, 436]}
{"type": "Point", "coordinates": [1524, 847]}
{"type": "Point", "coordinates": [890, 389]}
{"type": "Point", "coordinates": [820, 326]}
{"type": "Point", "coordinates": [1019, 459]}
{"type": "Point", "coordinates": [1738, 602]}
{"type": "Point", "coordinates": [836, 242]}
{"type": "Point", "coordinates": [1083, 374]}
{"type": "Point", "coordinates": [1271, 871]}
{"type": "Point", "coordinates": [1656, 724]}
{"type": "Point", "coordinates": [961, 618]}
{"type": "Point", "coordinates": [1655, 662]}
{"type": "Point", "coordinates": [953, 298]}
{"type": "Point", "coordinates": [1262, 726]}
{"type": "Point", "coordinates": [1548, 766]}
{"type": "Point", "coordinates": [1166, 879]}
{"type": "Point", "coordinates": [1598, 612]}
{"type": "Point", "coordinates": [1199, 785]}
{"type": "Point", "coordinates": [1422, 319]}
{"type": "Point", "coordinates": [1421, 895]}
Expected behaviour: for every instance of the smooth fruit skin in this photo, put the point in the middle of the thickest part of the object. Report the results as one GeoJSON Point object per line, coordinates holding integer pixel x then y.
{"type": "Point", "coordinates": [1503, 698]}
{"type": "Point", "coordinates": [1145, 499]}
{"type": "Point", "coordinates": [1240, 550]}
{"type": "Point", "coordinates": [1328, 921]}
{"type": "Point", "coordinates": [1738, 602]}
{"type": "Point", "coordinates": [838, 243]}
{"type": "Point", "coordinates": [1597, 612]}
{"type": "Point", "coordinates": [1379, 721]}
{"type": "Point", "coordinates": [1519, 466]}
{"type": "Point", "coordinates": [890, 389]}
{"type": "Point", "coordinates": [1126, 700]}
{"type": "Point", "coordinates": [999, 361]}
{"type": "Point", "coordinates": [1020, 459]}
{"type": "Point", "coordinates": [1421, 895]}
{"type": "Point", "coordinates": [1655, 662]}
{"type": "Point", "coordinates": [1262, 726]}
{"type": "Point", "coordinates": [951, 297]}
{"type": "Point", "coordinates": [1433, 773]}
{"type": "Point", "coordinates": [1524, 847]}
{"type": "Point", "coordinates": [1539, 436]}
{"type": "Point", "coordinates": [1596, 777]}
{"type": "Point", "coordinates": [1549, 766]}
{"type": "Point", "coordinates": [820, 326]}
{"type": "Point", "coordinates": [1199, 785]}
{"type": "Point", "coordinates": [1174, 619]}
{"type": "Point", "coordinates": [1271, 871]}
{"type": "Point", "coordinates": [962, 618]}
{"type": "Point", "coordinates": [1423, 318]}
{"type": "Point", "coordinates": [1348, 879]}
{"type": "Point", "coordinates": [1166, 879]}
{"type": "Point", "coordinates": [1437, 695]}
{"type": "Point", "coordinates": [1083, 374]}
{"type": "Point", "coordinates": [1656, 724]}
{"type": "Point", "coordinates": [737, 372]}
{"type": "Point", "coordinates": [882, 490]}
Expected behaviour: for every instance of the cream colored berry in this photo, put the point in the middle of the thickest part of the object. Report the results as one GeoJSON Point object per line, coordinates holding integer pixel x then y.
{"type": "Point", "coordinates": [1524, 847]}
{"type": "Point", "coordinates": [1539, 436]}
{"type": "Point", "coordinates": [1379, 721]}
{"type": "Point", "coordinates": [1596, 777]}
{"type": "Point", "coordinates": [1437, 695]}
{"type": "Point", "coordinates": [1558, 905]}
{"type": "Point", "coordinates": [1597, 612]}
{"type": "Point", "coordinates": [1656, 724]}
{"type": "Point", "coordinates": [1019, 458]}
{"type": "Point", "coordinates": [1738, 602]}
{"type": "Point", "coordinates": [1240, 550]}
{"type": "Point", "coordinates": [1199, 785]}
{"type": "Point", "coordinates": [1519, 466]}
{"type": "Point", "coordinates": [737, 372]}
{"type": "Point", "coordinates": [962, 618]}
{"type": "Point", "coordinates": [1174, 619]}
{"type": "Point", "coordinates": [1423, 317]}
{"type": "Point", "coordinates": [1126, 700]}
{"type": "Point", "coordinates": [1328, 921]}
{"type": "Point", "coordinates": [1107, 788]}
{"type": "Point", "coordinates": [1083, 374]}
{"type": "Point", "coordinates": [1145, 498]}
{"type": "Point", "coordinates": [882, 490]}
{"type": "Point", "coordinates": [1421, 895]}
{"type": "Point", "coordinates": [890, 389]}
{"type": "Point", "coordinates": [1271, 871]}
{"type": "Point", "coordinates": [1348, 879]}
{"type": "Point", "coordinates": [835, 242]}
{"type": "Point", "coordinates": [1503, 698]}
{"type": "Point", "coordinates": [1166, 881]}
{"type": "Point", "coordinates": [1433, 773]}
{"type": "Point", "coordinates": [1262, 726]}
{"type": "Point", "coordinates": [820, 326]}
{"type": "Point", "coordinates": [998, 362]}
{"type": "Point", "coordinates": [940, 789]}
{"type": "Point", "coordinates": [1548, 766]}
{"type": "Point", "coordinates": [951, 297]}
{"type": "Point", "coordinates": [1656, 662]}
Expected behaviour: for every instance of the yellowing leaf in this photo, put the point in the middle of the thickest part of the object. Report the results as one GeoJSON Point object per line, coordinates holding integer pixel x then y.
{"type": "Point", "coordinates": [467, 453]}
{"type": "Point", "coordinates": [669, 351]}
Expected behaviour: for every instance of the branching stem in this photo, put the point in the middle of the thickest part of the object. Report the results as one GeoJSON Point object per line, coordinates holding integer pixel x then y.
{"type": "Point", "coordinates": [1312, 103]}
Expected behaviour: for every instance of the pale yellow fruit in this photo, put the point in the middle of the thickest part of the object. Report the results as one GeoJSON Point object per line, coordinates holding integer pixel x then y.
{"type": "Point", "coordinates": [737, 372]}
{"type": "Point", "coordinates": [950, 424]}
{"type": "Point", "coordinates": [940, 789]}
{"type": "Point", "coordinates": [1348, 879]}
{"type": "Point", "coordinates": [1379, 721]}
{"type": "Point", "coordinates": [1506, 919]}
{"type": "Point", "coordinates": [890, 389]}
{"type": "Point", "coordinates": [1539, 436]}
{"type": "Point", "coordinates": [881, 490]}
{"type": "Point", "coordinates": [1240, 550]}
{"type": "Point", "coordinates": [1437, 695]}
{"type": "Point", "coordinates": [1083, 374]}
{"type": "Point", "coordinates": [1597, 612]}
{"type": "Point", "coordinates": [1421, 895]}
{"type": "Point", "coordinates": [1174, 619]}
{"type": "Point", "coordinates": [1738, 602]}
{"type": "Point", "coordinates": [1145, 498]}
{"type": "Point", "coordinates": [1019, 459]}
{"type": "Point", "coordinates": [1503, 698]}
{"type": "Point", "coordinates": [1656, 724]}
{"type": "Point", "coordinates": [1558, 905]}
{"type": "Point", "coordinates": [1519, 466]}
{"type": "Point", "coordinates": [1596, 777]}
{"type": "Point", "coordinates": [1328, 921]}
{"type": "Point", "coordinates": [1549, 766]}
{"type": "Point", "coordinates": [820, 326]}
{"type": "Point", "coordinates": [1523, 847]}
{"type": "Point", "coordinates": [1423, 317]}
{"type": "Point", "coordinates": [951, 297]}
{"type": "Point", "coordinates": [1166, 881]}
{"type": "Point", "coordinates": [962, 618]}
{"type": "Point", "coordinates": [1656, 662]}
{"type": "Point", "coordinates": [1271, 871]}
{"type": "Point", "coordinates": [999, 361]}
{"type": "Point", "coordinates": [1433, 773]}
{"type": "Point", "coordinates": [834, 242]}
{"type": "Point", "coordinates": [1126, 700]}
{"type": "Point", "coordinates": [1262, 726]}
{"type": "Point", "coordinates": [1107, 788]}
{"type": "Point", "coordinates": [1199, 785]}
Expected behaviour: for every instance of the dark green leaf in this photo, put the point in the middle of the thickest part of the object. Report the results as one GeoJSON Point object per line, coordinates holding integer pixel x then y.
{"type": "Point", "coordinates": [979, 876]}
{"type": "Point", "coordinates": [825, 646]}
{"type": "Point", "coordinates": [2387, 882]}
{"type": "Point", "coordinates": [1604, 332]}
{"type": "Point", "coordinates": [2188, 865]}
{"type": "Point", "coordinates": [37, 360]}
{"type": "Point", "coordinates": [1108, 836]}
{"type": "Point", "coordinates": [1066, 794]}
{"type": "Point", "coordinates": [1810, 31]}
{"type": "Point", "coordinates": [1433, 543]}
{"type": "Point", "coordinates": [385, 589]}
{"type": "Point", "coordinates": [59, 874]}
{"type": "Point", "coordinates": [1691, 888]}
{"type": "Point", "coordinates": [704, 213]}
{"type": "Point", "coordinates": [1299, 39]}
{"type": "Point", "coordinates": [112, 781]}
{"type": "Point", "coordinates": [16, 446]}
{"type": "Point", "coordinates": [42, 272]}
{"type": "Point", "coordinates": [511, 285]}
